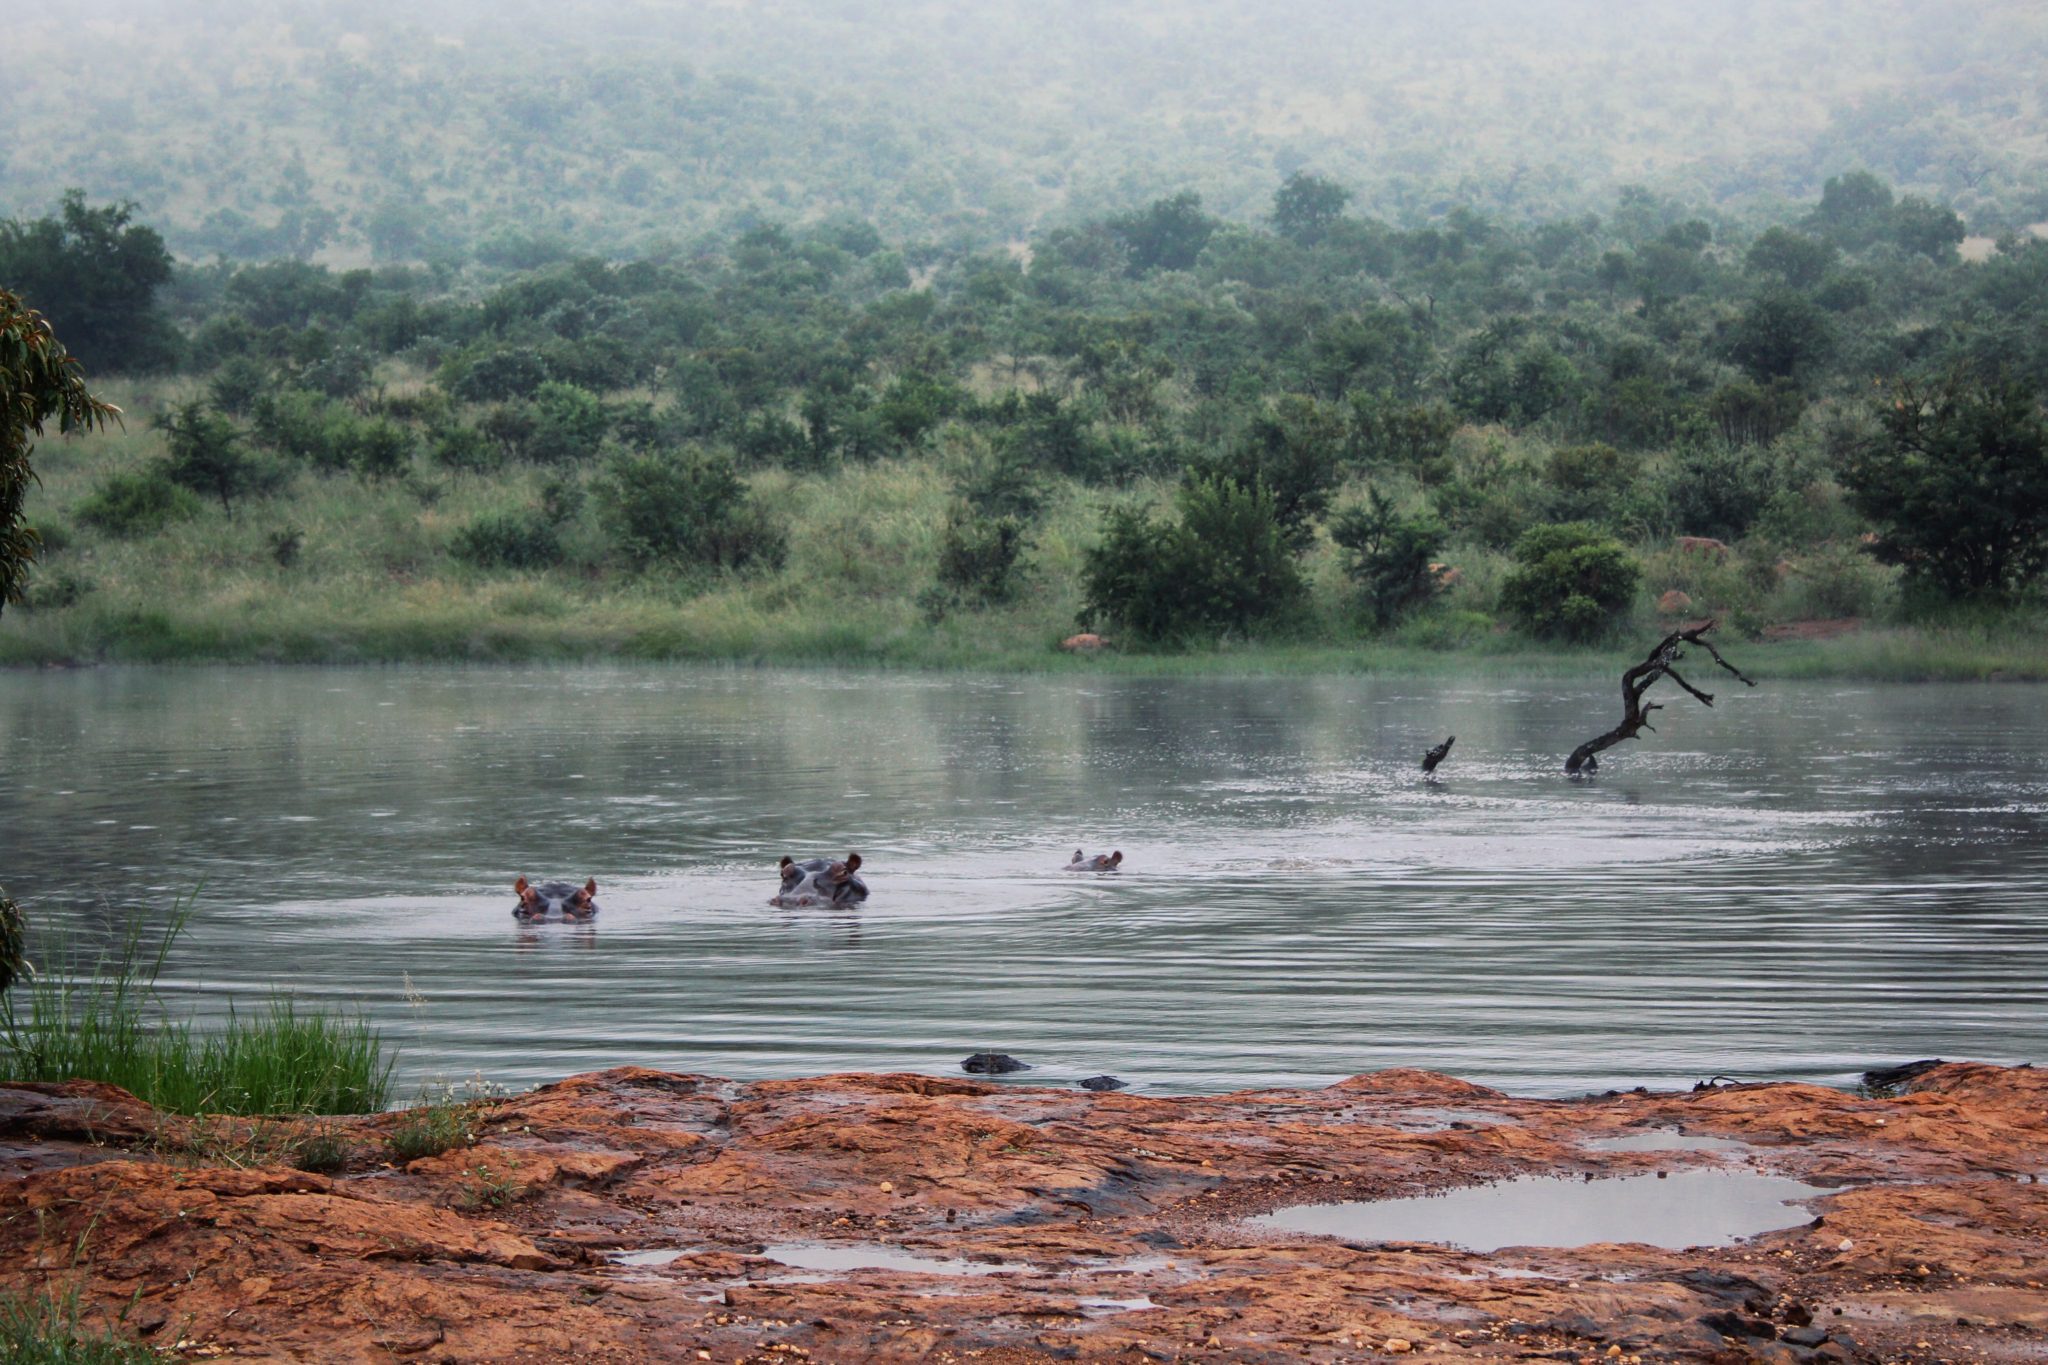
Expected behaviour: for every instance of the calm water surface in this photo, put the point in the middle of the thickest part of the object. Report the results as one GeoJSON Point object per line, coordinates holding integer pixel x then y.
{"type": "Point", "coordinates": [1807, 880]}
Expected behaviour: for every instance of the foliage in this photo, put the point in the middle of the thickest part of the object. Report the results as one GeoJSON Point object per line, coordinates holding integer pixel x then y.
{"type": "Point", "coordinates": [510, 538]}
{"type": "Point", "coordinates": [1306, 207]}
{"type": "Point", "coordinates": [98, 271]}
{"type": "Point", "coordinates": [39, 380]}
{"type": "Point", "coordinates": [434, 1126]}
{"type": "Point", "coordinates": [1389, 557]}
{"type": "Point", "coordinates": [1222, 566]}
{"type": "Point", "coordinates": [137, 502]}
{"type": "Point", "coordinates": [1294, 452]}
{"type": "Point", "coordinates": [206, 455]}
{"type": "Point", "coordinates": [1957, 482]}
{"type": "Point", "coordinates": [92, 1020]}
{"type": "Point", "coordinates": [684, 511]}
{"type": "Point", "coordinates": [13, 941]}
{"type": "Point", "coordinates": [1571, 581]}
{"type": "Point", "coordinates": [1712, 488]}
{"type": "Point", "coordinates": [47, 1327]}
{"type": "Point", "coordinates": [979, 555]}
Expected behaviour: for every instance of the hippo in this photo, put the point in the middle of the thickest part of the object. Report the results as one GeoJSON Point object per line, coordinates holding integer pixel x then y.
{"type": "Point", "coordinates": [1095, 862]}
{"type": "Point", "coordinates": [1438, 754]}
{"type": "Point", "coordinates": [575, 902]}
{"type": "Point", "coordinates": [993, 1064]}
{"type": "Point", "coordinates": [820, 881]}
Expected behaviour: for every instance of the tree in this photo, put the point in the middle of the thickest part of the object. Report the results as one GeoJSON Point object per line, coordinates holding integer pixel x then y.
{"type": "Point", "coordinates": [1388, 556]}
{"type": "Point", "coordinates": [1855, 210]}
{"type": "Point", "coordinates": [1294, 451]}
{"type": "Point", "coordinates": [1635, 712]}
{"type": "Point", "coordinates": [97, 272]}
{"type": "Point", "coordinates": [1783, 335]}
{"type": "Point", "coordinates": [1957, 484]}
{"type": "Point", "coordinates": [1928, 229]}
{"type": "Point", "coordinates": [1306, 206]}
{"type": "Point", "coordinates": [207, 455]}
{"type": "Point", "coordinates": [1223, 565]}
{"type": "Point", "coordinates": [684, 512]}
{"type": "Point", "coordinates": [1797, 260]}
{"type": "Point", "coordinates": [39, 381]}
{"type": "Point", "coordinates": [1169, 235]}
{"type": "Point", "coordinates": [1571, 580]}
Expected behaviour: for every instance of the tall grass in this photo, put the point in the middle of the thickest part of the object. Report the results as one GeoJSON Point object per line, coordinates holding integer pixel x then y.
{"type": "Point", "coordinates": [104, 1021]}
{"type": "Point", "coordinates": [45, 1328]}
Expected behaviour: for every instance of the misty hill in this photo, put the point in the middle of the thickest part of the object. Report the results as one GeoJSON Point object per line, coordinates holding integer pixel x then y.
{"type": "Point", "coordinates": [395, 131]}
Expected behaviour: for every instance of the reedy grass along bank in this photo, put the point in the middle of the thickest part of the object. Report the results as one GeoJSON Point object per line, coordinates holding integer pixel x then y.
{"type": "Point", "coordinates": [101, 1019]}
{"type": "Point", "coordinates": [373, 581]}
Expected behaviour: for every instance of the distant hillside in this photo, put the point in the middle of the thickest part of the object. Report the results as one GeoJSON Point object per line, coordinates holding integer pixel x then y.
{"type": "Point", "coordinates": [458, 128]}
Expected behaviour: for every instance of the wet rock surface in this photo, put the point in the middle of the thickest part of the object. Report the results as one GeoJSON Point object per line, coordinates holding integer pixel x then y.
{"type": "Point", "coordinates": [637, 1215]}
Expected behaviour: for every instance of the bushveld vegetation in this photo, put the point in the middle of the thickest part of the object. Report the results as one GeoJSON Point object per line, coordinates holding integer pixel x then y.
{"type": "Point", "coordinates": [1321, 431]}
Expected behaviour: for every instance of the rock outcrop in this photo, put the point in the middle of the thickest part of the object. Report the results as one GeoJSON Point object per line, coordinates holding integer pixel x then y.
{"type": "Point", "coordinates": [634, 1215]}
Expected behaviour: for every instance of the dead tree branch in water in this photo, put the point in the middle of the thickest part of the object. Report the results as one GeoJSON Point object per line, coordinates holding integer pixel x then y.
{"type": "Point", "coordinates": [1635, 713]}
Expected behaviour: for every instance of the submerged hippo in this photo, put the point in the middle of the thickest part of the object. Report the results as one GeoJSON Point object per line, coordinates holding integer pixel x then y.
{"type": "Point", "coordinates": [1095, 862]}
{"type": "Point", "coordinates": [573, 901]}
{"type": "Point", "coordinates": [820, 881]}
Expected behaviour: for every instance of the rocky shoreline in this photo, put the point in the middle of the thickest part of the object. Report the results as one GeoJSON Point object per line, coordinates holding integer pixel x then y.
{"type": "Point", "coordinates": [634, 1215]}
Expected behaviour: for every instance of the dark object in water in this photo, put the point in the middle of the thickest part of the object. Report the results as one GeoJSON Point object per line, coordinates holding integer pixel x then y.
{"type": "Point", "coordinates": [1892, 1077]}
{"type": "Point", "coordinates": [1635, 712]}
{"type": "Point", "coordinates": [1103, 1083]}
{"type": "Point", "coordinates": [1095, 862]}
{"type": "Point", "coordinates": [573, 901]}
{"type": "Point", "coordinates": [1437, 755]}
{"type": "Point", "coordinates": [820, 881]}
{"type": "Point", "coordinates": [992, 1064]}
{"type": "Point", "coordinates": [13, 936]}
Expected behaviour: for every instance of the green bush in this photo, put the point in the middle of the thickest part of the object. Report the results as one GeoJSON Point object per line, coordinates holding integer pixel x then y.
{"type": "Point", "coordinates": [1719, 490]}
{"type": "Point", "coordinates": [1223, 565]}
{"type": "Point", "coordinates": [979, 556]}
{"type": "Point", "coordinates": [684, 511]}
{"type": "Point", "coordinates": [137, 502]}
{"type": "Point", "coordinates": [1570, 582]}
{"type": "Point", "coordinates": [1594, 483]}
{"type": "Point", "coordinates": [569, 424]}
{"type": "Point", "coordinates": [1388, 556]}
{"type": "Point", "coordinates": [510, 538]}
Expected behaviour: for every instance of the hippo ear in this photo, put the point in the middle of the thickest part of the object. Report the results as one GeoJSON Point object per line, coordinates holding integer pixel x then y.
{"type": "Point", "coordinates": [590, 887]}
{"type": "Point", "coordinates": [1116, 857]}
{"type": "Point", "coordinates": [519, 887]}
{"type": "Point", "coordinates": [852, 863]}
{"type": "Point", "coordinates": [1078, 855]}
{"type": "Point", "coordinates": [786, 861]}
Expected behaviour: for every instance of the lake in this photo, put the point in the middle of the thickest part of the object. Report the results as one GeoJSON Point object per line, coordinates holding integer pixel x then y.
{"type": "Point", "coordinates": [1807, 880]}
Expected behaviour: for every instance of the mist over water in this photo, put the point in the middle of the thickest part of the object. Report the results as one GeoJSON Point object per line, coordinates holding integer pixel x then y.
{"type": "Point", "coordinates": [1805, 881]}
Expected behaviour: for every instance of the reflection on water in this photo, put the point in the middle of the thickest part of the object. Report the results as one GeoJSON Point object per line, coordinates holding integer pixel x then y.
{"type": "Point", "coordinates": [1802, 882]}
{"type": "Point", "coordinates": [1676, 1209]}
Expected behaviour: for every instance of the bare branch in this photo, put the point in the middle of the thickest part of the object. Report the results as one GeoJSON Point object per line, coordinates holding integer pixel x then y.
{"type": "Point", "coordinates": [1635, 713]}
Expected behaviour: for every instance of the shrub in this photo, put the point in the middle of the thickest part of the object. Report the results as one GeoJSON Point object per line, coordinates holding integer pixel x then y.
{"type": "Point", "coordinates": [684, 511]}
{"type": "Point", "coordinates": [466, 448]}
{"type": "Point", "coordinates": [510, 538]}
{"type": "Point", "coordinates": [207, 456]}
{"type": "Point", "coordinates": [1224, 565]}
{"type": "Point", "coordinates": [55, 589]}
{"type": "Point", "coordinates": [569, 424]}
{"type": "Point", "coordinates": [1405, 436]}
{"type": "Point", "coordinates": [1388, 556]}
{"type": "Point", "coordinates": [1594, 483]}
{"type": "Point", "coordinates": [137, 502]}
{"type": "Point", "coordinates": [979, 555]}
{"type": "Point", "coordinates": [433, 1127]}
{"type": "Point", "coordinates": [1719, 490]}
{"type": "Point", "coordinates": [1957, 482]}
{"type": "Point", "coordinates": [380, 449]}
{"type": "Point", "coordinates": [1570, 582]}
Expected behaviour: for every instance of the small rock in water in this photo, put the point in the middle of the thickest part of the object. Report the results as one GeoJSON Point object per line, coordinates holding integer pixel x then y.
{"type": "Point", "coordinates": [1103, 1083]}
{"type": "Point", "coordinates": [992, 1064]}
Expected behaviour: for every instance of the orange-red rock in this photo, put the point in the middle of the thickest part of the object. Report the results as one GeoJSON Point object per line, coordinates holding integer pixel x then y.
{"type": "Point", "coordinates": [1112, 1221]}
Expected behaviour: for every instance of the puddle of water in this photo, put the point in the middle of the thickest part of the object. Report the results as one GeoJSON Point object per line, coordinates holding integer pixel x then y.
{"type": "Point", "coordinates": [821, 1256]}
{"type": "Point", "coordinates": [1107, 1306]}
{"type": "Point", "coordinates": [1681, 1209]}
{"type": "Point", "coordinates": [1665, 1140]}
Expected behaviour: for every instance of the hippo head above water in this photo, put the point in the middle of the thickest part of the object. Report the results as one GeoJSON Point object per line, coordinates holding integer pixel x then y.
{"type": "Point", "coordinates": [573, 901]}
{"type": "Point", "coordinates": [1095, 862]}
{"type": "Point", "coordinates": [821, 881]}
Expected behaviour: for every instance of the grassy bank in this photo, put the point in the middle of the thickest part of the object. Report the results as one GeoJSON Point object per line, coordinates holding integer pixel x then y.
{"type": "Point", "coordinates": [371, 579]}
{"type": "Point", "coordinates": [100, 1019]}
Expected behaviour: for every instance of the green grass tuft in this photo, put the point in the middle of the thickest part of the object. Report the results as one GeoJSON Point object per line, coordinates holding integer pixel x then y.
{"type": "Point", "coordinates": [45, 1328]}
{"type": "Point", "coordinates": [102, 1022]}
